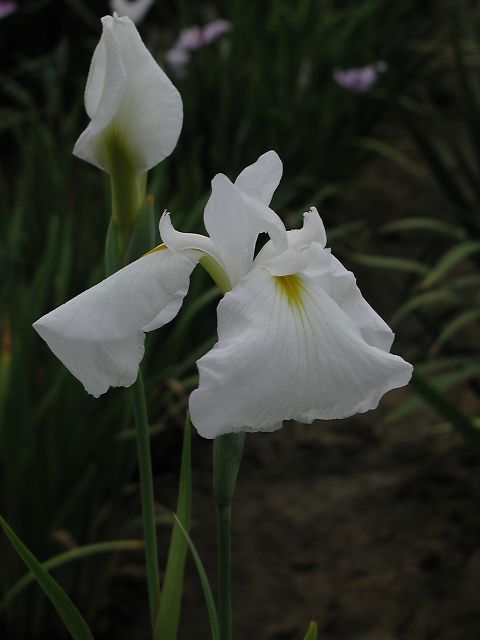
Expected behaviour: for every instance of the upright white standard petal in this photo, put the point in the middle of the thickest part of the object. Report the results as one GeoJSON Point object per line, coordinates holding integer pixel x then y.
{"type": "Point", "coordinates": [134, 108]}
{"type": "Point", "coordinates": [261, 178]}
{"type": "Point", "coordinates": [235, 216]}
{"type": "Point", "coordinates": [99, 335]}
{"type": "Point", "coordinates": [133, 9]}
{"type": "Point", "coordinates": [287, 350]}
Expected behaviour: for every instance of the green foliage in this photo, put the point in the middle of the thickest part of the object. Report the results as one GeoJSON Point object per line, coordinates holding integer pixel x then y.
{"type": "Point", "coordinates": [168, 618]}
{"type": "Point", "coordinates": [66, 459]}
{"type": "Point", "coordinates": [445, 305]}
{"type": "Point", "coordinates": [207, 590]}
{"type": "Point", "coordinates": [312, 632]}
{"type": "Point", "coordinates": [70, 615]}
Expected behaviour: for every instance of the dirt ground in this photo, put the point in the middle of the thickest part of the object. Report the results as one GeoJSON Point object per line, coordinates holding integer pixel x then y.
{"type": "Point", "coordinates": [370, 528]}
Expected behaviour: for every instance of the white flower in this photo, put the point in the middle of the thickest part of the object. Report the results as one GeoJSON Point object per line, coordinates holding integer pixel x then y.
{"type": "Point", "coordinates": [135, 111]}
{"type": "Point", "coordinates": [133, 9]}
{"type": "Point", "coordinates": [296, 339]}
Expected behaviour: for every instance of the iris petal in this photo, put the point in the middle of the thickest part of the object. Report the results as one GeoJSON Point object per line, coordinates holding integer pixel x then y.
{"type": "Point", "coordinates": [128, 96]}
{"type": "Point", "coordinates": [99, 335]}
{"type": "Point", "coordinates": [287, 350]}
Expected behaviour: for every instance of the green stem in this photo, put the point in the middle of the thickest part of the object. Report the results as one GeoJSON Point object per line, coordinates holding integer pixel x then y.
{"type": "Point", "coordinates": [227, 455]}
{"type": "Point", "coordinates": [147, 496]}
{"type": "Point", "coordinates": [128, 192]}
{"type": "Point", "coordinates": [224, 550]}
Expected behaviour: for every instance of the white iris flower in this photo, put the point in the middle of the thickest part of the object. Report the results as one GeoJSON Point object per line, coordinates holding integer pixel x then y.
{"type": "Point", "coordinates": [296, 339]}
{"type": "Point", "coordinates": [135, 111]}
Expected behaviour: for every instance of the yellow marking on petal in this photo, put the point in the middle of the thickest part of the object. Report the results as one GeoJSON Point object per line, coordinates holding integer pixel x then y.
{"type": "Point", "coordinates": [293, 288]}
{"type": "Point", "coordinates": [161, 247]}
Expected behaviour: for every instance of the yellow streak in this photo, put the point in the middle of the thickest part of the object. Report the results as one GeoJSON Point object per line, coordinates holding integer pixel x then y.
{"type": "Point", "coordinates": [161, 247]}
{"type": "Point", "coordinates": [292, 287]}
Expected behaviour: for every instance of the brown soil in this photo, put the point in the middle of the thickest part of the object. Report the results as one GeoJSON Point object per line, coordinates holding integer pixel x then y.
{"type": "Point", "coordinates": [370, 528]}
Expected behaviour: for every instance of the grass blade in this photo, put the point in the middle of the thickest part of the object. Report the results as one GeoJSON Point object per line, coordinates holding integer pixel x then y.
{"type": "Point", "coordinates": [389, 262]}
{"type": "Point", "coordinates": [166, 627]}
{"type": "Point", "coordinates": [70, 615]}
{"type": "Point", "coordinates": [461, 321]}
{"type": "Point", "coordinates": [207, 590]}
{"type": "Point", "coordinates": [69, 556]}
{"type": "Point", "coordinates": [450, 260]}
{"type": "Point", "coordinates": [445, 408]}
{"type": "Point", "coordinates": [312, 632]}
{"type": "Point", "coordinates": [420, 223]}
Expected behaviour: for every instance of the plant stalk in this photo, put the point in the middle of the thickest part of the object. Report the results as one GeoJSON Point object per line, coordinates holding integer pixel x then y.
{"type": "Point", "coordinates": [227, 455]}
{"type": "Point", "coordinates": [147, 495]}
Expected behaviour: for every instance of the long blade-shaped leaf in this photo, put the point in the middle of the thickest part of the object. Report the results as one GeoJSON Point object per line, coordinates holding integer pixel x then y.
{"type": "Point", "coordinates": [69, 556]}
{"type": "Point", "coordinates": [459, 323]}
{"type": "Point", "coordinates": [445, 408]}
{"type": "Point", "coordinates": [458, 370]}
{"type": "Point", "coordinates": [312, 632]}
{"type": "Point", "coordinates": [450, 260]}
{"type": "Point", "coordinates": [389, 262]}
{"type": "Point", "coordinates": [70, 615]}
{"type": "Point", "coordinates": [166, 627]}
{"type": "Point", "coordinates": [207, 590]}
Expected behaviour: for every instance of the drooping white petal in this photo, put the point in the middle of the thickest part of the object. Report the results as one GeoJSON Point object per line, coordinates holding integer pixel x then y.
{"type": "Point", "coordinates": [261, 178]}
{"type": "Point", "coordinates": [130, 100]}
{"type": "Point", "coordinates": [99, 335]}
{"type": "Point", "coordinates": [286, 350]}
{"type": "Point", "coordinates": [233, 221]}
{"type": "Point", "coordinates": [341, 285]}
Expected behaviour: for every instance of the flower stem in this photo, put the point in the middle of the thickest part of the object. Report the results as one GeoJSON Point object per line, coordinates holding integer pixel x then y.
{"type": "Point", "coordinates": [147, 496]}
{"type": "Point", "coordinates": [227, 455]}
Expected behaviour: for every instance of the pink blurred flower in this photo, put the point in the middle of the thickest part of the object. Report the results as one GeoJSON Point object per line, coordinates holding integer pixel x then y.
{"type": "Point", "coordinates": [361, 79]}
{"type": "Point", "coordinates": [194, 38]}
{"type": "Point", "coordinates": [190, 39]}
{"type": "Point", "coordinates": [215, 29]}
{"type": "Point", "coordinates": [6, 8]}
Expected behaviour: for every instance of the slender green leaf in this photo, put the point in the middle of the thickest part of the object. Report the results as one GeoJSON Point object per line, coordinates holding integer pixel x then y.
{"type": "Point", "coordinates": [461, 321]}
{"type": "Point", "coordinates": [112, 249]}
{"type": "Point", "coordinates": [166, 627]}
{"type": "Point", "coordinates": [422, 224]}
{"type": "Point", "coordinates": [207, 590]}
{"type": "Point", "coordinates": [389, 262]}
{"type": "Point", "coordinates": [448, 363]}
{"type": "Point", "coordinates": [143, 235]}
{"type": "Point", "coordinates": [450, 260]}
{"type": "Point", "coordinates": [312, 632]}
{"type": "Point", "coordinates": [70, 615]}
{"type": "Point", "coordinates": [69, 556]}
{"type": "Point", "coordinates": [420, 301]}
{"type": "Point", "coordinates": [462, 372]}
{"type": "Point", "coordinates": [438, 168]}
{"type": "Point", "coordinates": [391, 152]}
{"type": "Point", "coordinates": [445, 408]}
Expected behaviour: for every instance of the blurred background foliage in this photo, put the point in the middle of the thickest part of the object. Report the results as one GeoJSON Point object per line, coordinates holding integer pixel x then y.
{"type": "Point", "coordinates": [67, 464]}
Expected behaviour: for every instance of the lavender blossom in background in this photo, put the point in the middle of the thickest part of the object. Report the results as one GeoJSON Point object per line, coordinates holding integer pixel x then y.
{"type": "Point", "coordinates": [194, 38]}
{"type": "Point", "coordinates": [359, 80]}
{"type": "Point", "coordinates": [133, 9]}
{"type": "Point", "coordinates": [6, 8]}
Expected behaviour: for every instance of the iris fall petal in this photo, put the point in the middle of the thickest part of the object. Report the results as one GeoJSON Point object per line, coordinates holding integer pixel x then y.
{"type": "Point", "coordinates": [287, 350]}
{"type": "Point", "coordinates": [99, 335]}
